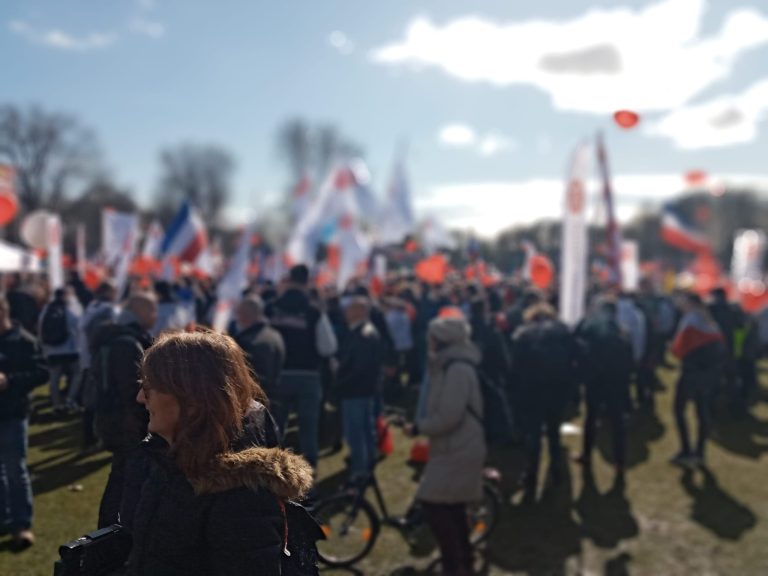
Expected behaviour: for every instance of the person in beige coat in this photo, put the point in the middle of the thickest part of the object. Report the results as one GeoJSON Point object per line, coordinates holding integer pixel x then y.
{"type": "Point", "coordinates": [453, 423]}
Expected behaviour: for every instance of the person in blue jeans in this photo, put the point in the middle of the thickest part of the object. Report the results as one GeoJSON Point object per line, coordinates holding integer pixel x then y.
{"type": "Point", "coordinates": [360, 368]}
{"type": "Point", "coordinates": [308, 337]}
{"type": "Point", "coordinates": [22, 368]}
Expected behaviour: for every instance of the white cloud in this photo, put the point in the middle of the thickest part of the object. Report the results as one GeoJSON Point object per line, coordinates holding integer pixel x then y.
{"type": "Point", "coordinates": [149, 28]}
{"type": "Point", "coordinates": [58, 39]}
{"type": "Point", "coordinates": [722, 121]}
{"type": "Point", "coordinates": [147, 4]}
{"type": "Point", "coordinates": [653, 59]}
{"type": "Point", "coordinates": [341, 42]}
{"type": "Point", "coordinates": [458, 135]}
{"type": "Point", "coordinates": [490, 207]}
{"type": "Point", "coordinates": [463, 136]}
{"type": "Point", "coordinates": [492, 144]}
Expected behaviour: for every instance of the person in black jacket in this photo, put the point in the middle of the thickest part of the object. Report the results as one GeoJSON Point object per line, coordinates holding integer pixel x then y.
{"type": "Point", "coordinates": [360, 363]}
{"type": "Point", "coordinates": [543, 354]}
{"type": "Point", "coordinates": [120, 422]}
{"type": "Point", "coordinates": [605, 363]}
{"type": "Point", "coordinates": [213, 503]}
{"type": "Point", "coordinates": [308, 337]}
{"type": "Point", "coordinates": [22, 368]}
{"type": "Point", "coordinates": [263, 346]}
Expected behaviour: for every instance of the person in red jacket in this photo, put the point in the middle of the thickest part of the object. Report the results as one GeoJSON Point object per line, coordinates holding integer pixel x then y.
{"type": "Point", "coordinates": [700, 347]}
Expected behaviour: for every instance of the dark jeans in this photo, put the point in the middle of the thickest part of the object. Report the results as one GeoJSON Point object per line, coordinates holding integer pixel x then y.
{"type": "Point", "coordinates": [64, 367]}
{"type": "Point", "coordinates": [696, 387]}
{"type": "Point", "coordinates": [304, 392]}
{"type": "Point", "coordinates": [123, 488]}
{"type": "Point", "coordinates": [534, 420]}
{"type": "Point", "coordinates": [448, 523]}
{"type": "Point", "coordinates": [15, 486]}
{"type": "Point", "coordinates": [360, 434]}
{"type": "Point", "coordinates": [607, 399]}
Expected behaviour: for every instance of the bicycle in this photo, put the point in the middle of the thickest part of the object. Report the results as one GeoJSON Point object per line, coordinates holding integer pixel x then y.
{"type": "Point", "coordinates": [351, 523]}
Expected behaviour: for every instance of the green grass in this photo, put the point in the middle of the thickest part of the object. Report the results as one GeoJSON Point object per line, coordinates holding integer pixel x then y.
{"type": "Point", "coordinates": [665, 522]}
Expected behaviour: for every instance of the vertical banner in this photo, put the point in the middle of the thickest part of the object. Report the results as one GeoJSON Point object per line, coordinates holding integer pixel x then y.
{"type": "Point", "coordinates": [630, 266]}
{"type": "Point", "coordinates": [748, 253]}
{"type": "Point", "coordinates": [123, 266]}
{"type": "Point", "coordinates": [613, 233]}
{"type": "Point", "coordinates": [573, 264]}
{"type": "Point", "coordinates": [80, 240]}
{"type": "Point", "coordinates": [55, 268]}
{"type": "Point", "coordinates": [119, 228]}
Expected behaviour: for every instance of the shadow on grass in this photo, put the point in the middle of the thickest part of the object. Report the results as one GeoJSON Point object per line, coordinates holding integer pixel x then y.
{"type": "Point", "coordinates": [715, 509]}
{"type": "Point", "coordinates": [65, 473]}
{"type": "Point", "coordinates": [643, 428]}
{"type": "Point", "coordinates": [607, 518]}
{"type": "Point", "coordinates": [738, 435]}
{"type": "Point", "coordinates": [538, 538]}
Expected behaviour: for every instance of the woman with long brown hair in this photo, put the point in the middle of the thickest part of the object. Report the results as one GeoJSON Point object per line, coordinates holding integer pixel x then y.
{"type": "Point", "coordinates": [213, 500]}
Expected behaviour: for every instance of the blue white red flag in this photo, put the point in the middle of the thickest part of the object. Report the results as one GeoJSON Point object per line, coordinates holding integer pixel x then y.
{"type": "Point", "coordinates": [186, 236]}
{"type": "Point", "coordinates": [676, 232]}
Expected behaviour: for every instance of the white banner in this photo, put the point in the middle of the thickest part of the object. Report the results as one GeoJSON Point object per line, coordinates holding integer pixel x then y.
{"type": "Point", "coordinates": [748, 254]}
{"type": "Point", "coordinates": [630, 265]}
{"type": "Point", "coordinates": [573, 263]}
{"type": "Point", "coordinates": [231, 286]}
{"type": "Point", "coordinates": [55, 267]}
{"type": "Point", "coordinates": [153, 240]}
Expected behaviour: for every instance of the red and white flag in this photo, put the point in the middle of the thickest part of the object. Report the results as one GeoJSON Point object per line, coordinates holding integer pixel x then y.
{"type": "Point", "coordinates": [231, 286]}
{"type": "Point", "coordinates": [301, 196]}
{"type": "Point", "coordinates": [573, 264]}
{"type": "Point", "coordinates": [153, 241]}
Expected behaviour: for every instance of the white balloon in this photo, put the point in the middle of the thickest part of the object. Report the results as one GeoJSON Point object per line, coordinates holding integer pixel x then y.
{"type": "Point", "coordinates": [34, 229]}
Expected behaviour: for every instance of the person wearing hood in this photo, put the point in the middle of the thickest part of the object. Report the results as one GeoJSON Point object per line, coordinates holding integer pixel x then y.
{"type": "Point", "coordinates": [120, 422]}
{"type": "Point", "coordinates": [308, 337]}
{"type": "Point", "coordinates": [213, 502]}
{"type": "Point", "coordinates": [452, 421]}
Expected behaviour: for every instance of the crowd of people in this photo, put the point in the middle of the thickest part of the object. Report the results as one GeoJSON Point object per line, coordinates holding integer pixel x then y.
{"type": "Point", "coordinates": [195, 420]}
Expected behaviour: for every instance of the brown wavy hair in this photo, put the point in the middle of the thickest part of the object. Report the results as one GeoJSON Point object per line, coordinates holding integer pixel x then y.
{"type": "Point", "coordinates": [208, 375]}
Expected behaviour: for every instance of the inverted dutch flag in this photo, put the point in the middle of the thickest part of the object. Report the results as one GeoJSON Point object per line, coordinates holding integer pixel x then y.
{"type": "Point", "coordinates": [186, 237]}
{"type": "Point", "coordinates": [676, 232]}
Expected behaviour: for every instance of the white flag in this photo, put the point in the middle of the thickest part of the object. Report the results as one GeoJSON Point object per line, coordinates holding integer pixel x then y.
{"type": "Point", "coordinates": [748, 253]}
{"type": "Point", "coordinates": [397, 220]}
{"type": "Point", "coordinates": [119, 230]}
{"type": "Point", "coordinates": [434, 236]}
{"type": "Point", "coordinates": [231, 286]}
{"type": "Point", "coordinates": [573, 264]}
{"type": "Point", "coordinates": [153, 241]}
{"type": "Point", "coordinates": [354, 250]}
{"type": "Point", "coordinates": [630, 265]}
{"type": "Point", "coordinates": [55, 267]}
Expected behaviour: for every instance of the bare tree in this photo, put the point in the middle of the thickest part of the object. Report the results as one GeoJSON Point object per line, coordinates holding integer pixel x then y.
{"type": "Point", "coordinates": [50, 152]}
{"type": "Point", "coordinates": [200, 174]}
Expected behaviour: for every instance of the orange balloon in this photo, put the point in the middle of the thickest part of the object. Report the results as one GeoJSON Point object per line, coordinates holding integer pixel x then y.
{"type": "Point", "coordinates": [9, 206]}
{"type": "Point", "coordinates": [626, 118]}
{"type": "Point", "coordinates": [541, 271]}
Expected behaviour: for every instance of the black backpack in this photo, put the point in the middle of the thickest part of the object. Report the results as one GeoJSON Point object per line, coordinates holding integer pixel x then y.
{"type": "Point", "coordinates": [300, 557]}
{"type": "Point", "coordinates": [54, 329]}
{"type": "Point", "coordinates": [497, 415]}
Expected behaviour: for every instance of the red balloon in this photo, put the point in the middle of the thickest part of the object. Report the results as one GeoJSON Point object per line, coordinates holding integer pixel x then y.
{"type": "Point", "coordinates": [626, 118]}
{"type": "Point", "coordinates": [9, 206]}
{"type": "Point", "coordinates": [695, 177]}
{"type": "Point", "coordinates": [542, 271]}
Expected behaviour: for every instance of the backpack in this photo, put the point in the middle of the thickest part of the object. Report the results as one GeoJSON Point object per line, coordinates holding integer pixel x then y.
{"type": "Point", "coordinates": [54, 329]}
{"type": "Point", "coordinates": [300, 556]}
{"type": "Point", "coordinates": [497, 416]}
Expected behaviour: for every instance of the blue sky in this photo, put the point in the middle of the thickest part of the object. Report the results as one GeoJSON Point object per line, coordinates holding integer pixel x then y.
{"type": "Point", "coordinates": [491, 95]}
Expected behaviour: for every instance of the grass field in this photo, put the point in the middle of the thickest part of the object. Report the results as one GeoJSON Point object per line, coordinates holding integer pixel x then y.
{"type": "Point", "coordinates": [666, 521]}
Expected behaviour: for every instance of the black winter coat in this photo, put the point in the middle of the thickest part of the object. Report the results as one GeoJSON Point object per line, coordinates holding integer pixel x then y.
{"type": "Point", "coordinates": [121, 422]}
{"type": "Point", "coordinates": [226, 522]}
{"type": "Point", "coordinates": [265, 352]}
{"type": "Point", "coordinates": [360, 362]}
{"type": "Point", "coordinates": [22, 362]}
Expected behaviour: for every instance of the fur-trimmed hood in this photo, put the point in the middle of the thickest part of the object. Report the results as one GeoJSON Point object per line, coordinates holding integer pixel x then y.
{"type": "Point", "coordinates": [287, 475]}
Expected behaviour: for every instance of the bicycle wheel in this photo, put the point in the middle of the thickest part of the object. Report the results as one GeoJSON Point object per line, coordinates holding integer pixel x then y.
{"type": "Point", "coordinates": [351, 527]}
{"type": "Point", "coordinates": [483, 515]}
